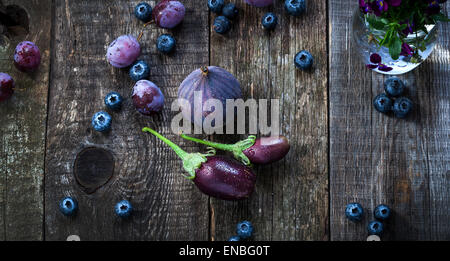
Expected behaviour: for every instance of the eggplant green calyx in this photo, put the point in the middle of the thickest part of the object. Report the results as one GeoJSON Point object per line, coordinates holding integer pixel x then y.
{"type": "Point", "coordinates": [191, 161]}
{"type": "Point", "coordinates": [237, 148]}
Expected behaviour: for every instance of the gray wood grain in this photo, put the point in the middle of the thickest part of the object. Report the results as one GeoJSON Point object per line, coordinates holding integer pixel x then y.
{"type": "Point", "coordinates": [291, 199]}
{"type": "Point", "coordinates": [378, 159]}
{"type": "Point", "coordinates": [22, 128]}
{"type": "Point", "coordinates": [147, 172]}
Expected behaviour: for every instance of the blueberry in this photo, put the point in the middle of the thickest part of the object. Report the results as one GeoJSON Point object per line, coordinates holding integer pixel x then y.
{"type": "Point", "coordinates": [244, 229]}
{"type": "Point", "coordinates": [215, 6]}
{"type": "Point", "coordinates": [68, 206]}
{"type": "Point", "coordinates": [382, 103]}
{"type": "Point", "coordinates": [269, 21]}
{"type": "Point", "coordinates": [295, 7]}
{"type": "Point", "coordinates": [375, 228]}
{"type": "Point", "coordinates": [139, 71]}
{"type": "Point", "coordinates": [123, 209]}
{"type": "Point", "coordinates": [402, 107]}
{"type": "Point", "coordinates": [101, 121]}
{"type": "Point", "coordinates": [113, 101]}
{"type": "Point", "coordinates": [303, 60]}
{"type": "Point", "coordinates": [382, 212]}
{"type": "Point", "coordinates": [394, 86]}
{"type": "Point", "coordinates": [230, 11]}
{"type": "Point", "coordinates": [234, 238]}
{"type": "Point", "coordinates": [354, 212]}
{"type": "Point", "coordinates": [165, 43]}
{"type": "Point", "coordinates": [143, 12]}
{"type": "Point", "coordinates": [222, 25]}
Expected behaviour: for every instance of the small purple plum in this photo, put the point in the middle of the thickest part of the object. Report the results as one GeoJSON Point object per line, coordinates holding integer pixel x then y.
{"type": "Point", "coordinates": [27, 56]}
{"type": "Point", "coordinates": [147, 97]}
{"type": "Point", "coordinates": [123, 51]}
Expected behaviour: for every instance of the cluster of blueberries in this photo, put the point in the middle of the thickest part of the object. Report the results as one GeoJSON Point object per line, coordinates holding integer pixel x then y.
{"type": "Point", "coordinates": [269, 21]}
{"type": "Point", "coordinates": [101, 121]}
{"type": "Point", "coordinates": [226, 12]}
{"type": "Point", "coordinates": [244, 230]}
{"type": "Point", "coordinates": [355, 213]}
{"type": "Point", "coordinates": [392, 100]}
{"type": "Point", "coordinates": [69, 207]}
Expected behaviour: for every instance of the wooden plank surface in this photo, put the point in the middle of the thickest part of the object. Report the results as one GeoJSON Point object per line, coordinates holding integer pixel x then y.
{"type": "Point", "coordinates": [146, 172]}
{"type": "Point", "coordinates": [377, 159]}
{"type": "Point", "coordinates": [341, 149]}
{"type": "Point", "coordinates": [23, 123]}
{"type": "Point", "coordinates": [290, 201]}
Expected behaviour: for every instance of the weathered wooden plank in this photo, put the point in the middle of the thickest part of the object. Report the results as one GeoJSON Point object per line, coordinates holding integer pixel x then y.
{"type": "Point", "coordinates": [146, 171]}
{"type": "Point", "coordinates": [291, 198]}
{"type": "Point", "coordinates": [23, 123]}
{"type": "Point", "coordinates": [378, 159]}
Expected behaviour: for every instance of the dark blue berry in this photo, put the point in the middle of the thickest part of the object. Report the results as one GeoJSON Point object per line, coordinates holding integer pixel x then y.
{"type": "Point", "coordinates": [382, 103]}
{"type": "Point", "coordinates": [244, 229]}
{"type": "Point", "coordinates": [222, 25]}
{"type": "Point", "coordinates": [394, 87]}
{"type": "Point", "coordinates": [382, 212]}
{"type": "Point", "coordinates": [68, 206]}
{"type": "Point", "coordinates": [123, 209]}
{"type": "Point", "coordinates": [354, 212]}
{"type": "Point", "coordinates": [303, 60]}
{"type": "Point", "coordinates": [269, 21]}
{"type": "Point", "coordinates": [295, 7]}
{"type": "Point", "coordinates": [113, 101]}
{"type": "Point", "coordinates": [230, 11]}
{"type": "Point", "coordinates": [165, 43]}
{"type": "Point", "coordinates": [143, 12]}
{"type": "Point", "coordinates": [234, 238]}
{"type": "Point", "coordinates": [215, 6]}
{"type": "Point", "coordinates": [139, 71]}
{"type": "Point", "coordinates": [101, 121]}
{"type": "Point", "coordinates": [402, 107]}
{"type": "Point", "coordinates": [375, 228]}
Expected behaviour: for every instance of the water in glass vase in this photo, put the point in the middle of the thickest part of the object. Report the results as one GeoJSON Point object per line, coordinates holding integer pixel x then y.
{"type": "Point", "coordinates": [364, 39]}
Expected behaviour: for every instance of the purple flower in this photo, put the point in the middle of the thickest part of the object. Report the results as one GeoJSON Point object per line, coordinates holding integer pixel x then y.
{"type": "Point", "coordinates": [433, 7]}
{"type": "Point", "coordinates": [375, 62]}
{"type": "Point", "coordinates": [407, 50]}
{"type": "Point", "coordinates": [384, 68]}
{"type": "Point", "coordinates": [364, 7]}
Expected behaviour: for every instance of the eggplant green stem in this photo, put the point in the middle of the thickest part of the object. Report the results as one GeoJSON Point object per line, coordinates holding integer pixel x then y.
{"type": "Point", "coordinates": [191, 161]}
{"type": "Point", "coordinates": [236, 148]}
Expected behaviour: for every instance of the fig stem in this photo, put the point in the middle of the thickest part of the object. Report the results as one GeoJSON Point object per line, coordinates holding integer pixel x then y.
{"type": "Point", "coordinates": [204, 70]}
{"type": "Point", "coordinates": [191, 161]}
{"type": "Point", "coordinates": [236, 148]}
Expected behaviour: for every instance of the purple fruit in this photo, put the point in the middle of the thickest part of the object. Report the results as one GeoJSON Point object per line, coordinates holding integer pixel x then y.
{"type": "Point", "coordinates": [207, 83]}
{"type": "Point", "coordinates": [123, 51]}
{"type": "Point", "coordinates": [251, 150]}
{"type": "Point", "coordinates": [27, 57]}
{"type": "Point", "coordinates": [6, 86]}
{"type": "Point", "coordinates": [216, 176]}
{"type": "Point", "coordinates": [225, 178]}
{"type": "Point", "coordinates": [147, 97]}
{"type": "Point", "coordinates": [168, 13]}
{"type": "Point", "coordinates": [268, 150]}
{"type": "Point", "coordinates": [259, 3]}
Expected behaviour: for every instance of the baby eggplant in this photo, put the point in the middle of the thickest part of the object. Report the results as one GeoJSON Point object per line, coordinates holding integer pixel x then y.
{"type": "Point", "coordinates": [268, 150]}
{"type": "Point", "coordinates": [251, 150]}
{"type": "Point", "coordinates": [216, 176]}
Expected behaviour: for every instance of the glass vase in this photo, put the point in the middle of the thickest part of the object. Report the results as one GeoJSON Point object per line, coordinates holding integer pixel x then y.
{"type": "Point", "coordinates": [365, 48]}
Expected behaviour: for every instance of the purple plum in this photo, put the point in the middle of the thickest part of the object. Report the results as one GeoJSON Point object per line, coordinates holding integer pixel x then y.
{"type": "Point", "coordinates": [123, 51]}
{"type": "Point", "coordinates": [27, 56]}
{"type": "Point", "coordinates": [147, 97]}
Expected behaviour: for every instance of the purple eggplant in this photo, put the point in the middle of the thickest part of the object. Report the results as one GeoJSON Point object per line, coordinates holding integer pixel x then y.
{"type": "Point", "coordinates": [216, 176]}
{"type": "Point", "coordinates": [251, 150]}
